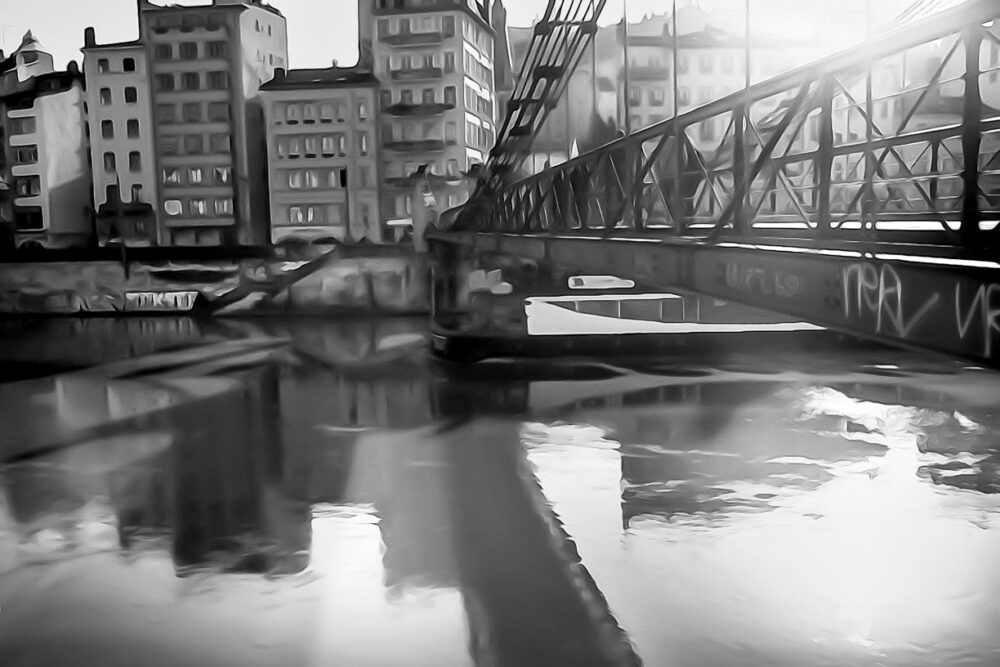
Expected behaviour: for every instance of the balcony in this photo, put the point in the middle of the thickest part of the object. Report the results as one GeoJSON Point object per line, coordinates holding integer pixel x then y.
{"type": "Point", "coordinates": [416, 74]}
{"type": "Point", "coordinates": [413, 38]}
{"type": "Point", "coordinates": [415, 145]}
{"type": "Point", "coordinates": [417, 110]}
{"type": "Point", "coordinates": [648, 73]}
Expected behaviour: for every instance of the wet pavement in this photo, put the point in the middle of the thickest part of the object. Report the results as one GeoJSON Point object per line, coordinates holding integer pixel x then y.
{"type": "Point", "coordinates": [313, 493]}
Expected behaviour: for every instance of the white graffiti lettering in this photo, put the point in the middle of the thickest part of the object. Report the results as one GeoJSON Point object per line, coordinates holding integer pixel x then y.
{"type": "Point", "coordinates": [984, 308]}
{"type": "Point", "coordinates": [762, 280]}
{"type": "Point", "coordinates": [879, 291]}
{"type": "Point", "coordinates": [160, 301]}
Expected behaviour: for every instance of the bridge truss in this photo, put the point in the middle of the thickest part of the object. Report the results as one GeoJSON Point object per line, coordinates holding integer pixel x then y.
{"type": "Point", "coordinates": [853, 192]}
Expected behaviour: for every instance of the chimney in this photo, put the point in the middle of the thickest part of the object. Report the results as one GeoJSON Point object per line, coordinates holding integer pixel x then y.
{"type": "Point", "coordinates": [88, 37]}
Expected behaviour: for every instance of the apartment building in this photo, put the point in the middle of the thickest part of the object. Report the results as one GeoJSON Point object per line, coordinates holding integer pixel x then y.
{"type": "Point", "coordinates": [119, 119]}
{"type": "Point", "coordinates": [323, 155]}
{"type": "Point", "coordinates": [206, 66]}
{"type": "Point", "coordinates": [434, 60]}
{"type": "Point", "coordinates": [44, 175]}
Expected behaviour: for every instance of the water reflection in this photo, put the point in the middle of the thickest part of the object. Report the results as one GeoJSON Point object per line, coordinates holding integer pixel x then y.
{"type": "Point", "coordinates": [348, 500]}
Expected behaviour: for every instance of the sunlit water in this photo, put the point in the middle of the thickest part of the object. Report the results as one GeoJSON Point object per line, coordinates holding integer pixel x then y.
{"type": "Point", "coordinates": [351, 501]}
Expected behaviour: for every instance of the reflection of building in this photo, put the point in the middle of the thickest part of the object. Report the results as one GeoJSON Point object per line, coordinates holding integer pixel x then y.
{"type": "Point", "coordinates": [435, 64]}
{"type": "Point", "coordinates": [323, 160]}
{"type": "Point", "coordinates": [207, 63]}
{"type": "Point", "coordinates": [121, 139]}
{"type": "Point", "coordinates": [44, 177]}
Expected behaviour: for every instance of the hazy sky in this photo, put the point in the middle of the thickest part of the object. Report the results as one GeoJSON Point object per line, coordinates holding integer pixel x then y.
{"type": "Point", "coordinates": [322, 30]}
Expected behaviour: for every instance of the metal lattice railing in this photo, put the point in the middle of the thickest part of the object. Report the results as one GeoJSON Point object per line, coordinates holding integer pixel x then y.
{"type": "Point", "coordinates": [897, 140]}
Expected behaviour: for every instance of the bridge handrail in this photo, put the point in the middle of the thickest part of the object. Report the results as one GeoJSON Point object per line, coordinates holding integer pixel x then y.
{"type": "Point", "coordinates": [935, 26]}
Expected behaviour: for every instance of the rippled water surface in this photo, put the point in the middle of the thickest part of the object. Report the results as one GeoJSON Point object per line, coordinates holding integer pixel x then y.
{"type": "Point", "coordinates": [340, 498]}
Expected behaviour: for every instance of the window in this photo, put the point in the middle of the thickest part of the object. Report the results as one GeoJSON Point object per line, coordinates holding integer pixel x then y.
{"type": "Point", "coordinates": [137, 196]}
{"type": "Point", "coordinates": [386, 98]}
{"type": "Point", "coordinates": [327, 113]}
{"type": "Point", "coordinates": [198, 207]}
{"type": "Point", "coordinates": [295, 215]}
{"type": "Point", "coordinates": [428, 96]}
{"type": "Point", "coordinates": [26, 155]}
{"type": "Point", "coordinates": [448, 26]}
{"type": "Point", "coordinates": [172, 207]}
{"type": "Point", "coordinates": [449, 61]}
{"type": "Point", "coordinates": [683, 95]}
{"type": "Point", "coordinates": [190, 81]}
{"type": "Point", "coordinates": [293, 113]}
{"type": "Point", "coordinates": [166, 113]}
{"type": "Point", "coordinates": [189, 51]}
{"type": "Point", "coordinates": [29, 57]}
{"type": "Point", "coordinates": [102, 66]}
{"type": "Point", "coordinates": [194, 144]}
{"type": "Point", "coordinates": [219, 143]}
{"type": "Point", "coordinates": [656, 97]}
{"type": "Point", "coordinates": [223, 206]}
{"type": "Point", "coordinates": [311, 146]}
{"type": "Point", "coordinates": [27, 186]}
{"type": "Point", "coordinates": [163, 52]}
{"type": "Point", "coordinates": [449, 95]}
{"type": "Point", "coordinates": [128, 65]}
{"type": "Point", "coordinates": [406, 96]}
{"type": "Point", "coordinates": [217, 49]}
{"type": "Point", "coordinates": [683, 64]}
{"type": "Point", "coordinates": [329, 145]}
{"type": "Point", "coordinates": [110, 165]}
{"type": "Point", "coordinates": [172, 176]}
{"type": "Point", "coordinates": [294, 147]}
{"type": "Point", "coordinates": [727, 64]}
{"type": "Point", "coordinates": [134, 161]}
{"type": "Point", "coordinates": [131, 95]}
{"type": "Point", "coordinates": [168, 145]}
{"type": "Point", "coordinates": [164, 82]}
{"type": "Point", "coordinates": [218, 111]}
{"type": "Point", "coordinates": [218, 80]}
{"type": "Point", "coordinates": [191, 111]}
{"type": "Point", "coordinates": [221, 175]}
{"type": "Point", "coordinates": [105, 95]}
{"type": "Point", "coordinates": [450, 132]}
{"type": "Point", "coordinates": [312, 178]}
{"type": "Point", "coordinates": [362, 110]}
{"type": "Point", "coordinates": [309, 113]}
{"type": "Point", "coordinates": [195, 175]}
{"type": "Point", "coordinates": [295, 179]}
{"type": "Point", "coordinates": [705, 65]}
{"type": "Point", "coordinates": [363, 143]}
{"type": "Point", "coordinates": [22, 125]}
{"type": "Point", "coordinates": [107, 129]}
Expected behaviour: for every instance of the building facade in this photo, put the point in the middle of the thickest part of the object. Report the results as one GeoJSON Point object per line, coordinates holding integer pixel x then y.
{"type": "Point", "coordinates": [434, 60]}
{"type": "Point", "coordinates": [206, 66]}
{"type": "Point", "coordinates": [120, 123]}
{"type": "Point", "coordinates": [44, 176]}
{"type": "Point", "coordinates": [323, 155]}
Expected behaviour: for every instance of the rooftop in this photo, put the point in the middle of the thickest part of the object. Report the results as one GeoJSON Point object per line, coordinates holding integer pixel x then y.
{"type": "Point", "coordinates": [319, 78]}
{"type": "Point", "coordinates": [146, 5]}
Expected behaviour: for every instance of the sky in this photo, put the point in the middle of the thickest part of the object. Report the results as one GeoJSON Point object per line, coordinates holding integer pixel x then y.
{"type": "Point", "coordinates": [320, 31]}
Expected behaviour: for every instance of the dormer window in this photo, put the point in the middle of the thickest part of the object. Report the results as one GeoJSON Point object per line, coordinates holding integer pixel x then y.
{"type": "Point", "coordinates": [29, 57]}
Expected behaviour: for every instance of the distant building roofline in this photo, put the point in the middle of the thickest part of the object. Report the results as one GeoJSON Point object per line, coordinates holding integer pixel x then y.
{"type": "Point", "coordinates": [146, 5]}
{"type": "Point", "coordinates": [330, 77]}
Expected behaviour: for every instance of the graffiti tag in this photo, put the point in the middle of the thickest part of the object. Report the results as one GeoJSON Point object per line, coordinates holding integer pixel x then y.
{"type": "Point", "coordinates": [764, 280]}
{"type": "Point", "coordinates": [160, 301]}
{"type": "Point", "coordinates": [879, 292]}
{"type": "Point", "coordinates": [984, 309]}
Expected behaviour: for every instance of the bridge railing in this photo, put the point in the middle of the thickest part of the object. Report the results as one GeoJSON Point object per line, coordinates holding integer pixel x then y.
{"type": "Point", "coordinates": [897, 140]}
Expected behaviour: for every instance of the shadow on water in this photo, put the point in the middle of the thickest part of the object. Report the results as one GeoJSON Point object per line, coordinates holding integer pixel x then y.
{"type": "Point", "coordinates": [348, 499]}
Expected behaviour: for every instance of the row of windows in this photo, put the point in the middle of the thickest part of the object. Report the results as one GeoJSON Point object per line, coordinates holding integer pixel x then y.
{"type": "Point", "coordinates": [421, 130]}
{"type": "Point", "coordinates": [478, 136]}
{"type": "Point", "coordinates": [193, 144]}
{"type": "Point", "coordinates": [311, 179]}
{"type": "Point", "coordinates": [308, 113]}
{"type": "Point", "coordinates": [474, 101]}
{"type": "Point", "coordinates": [313, 214]}
{"type": "Point", "coordinates": [451, 167]}
{"type": "Point", "coordinates": [104, 65]}
{"type": "Point", "coordinates": [192, 81]}
{"type": "Point", "coordinates": [418, 25]}
{"type": "Point", "coordinates": [476, 69]}
{"type": "Point", "coordinates": [319, 145]}
{"type": "Point", "coordinates": [657, 96]}
{"type": "Point", "coordinates": [129, 94]}
{"type": "Point", "coordinates": [198, 208]}
{"type": "Point", "coordinates": [24, 125]}
{"type": "Point", "coordinates": [191, 50]}
{"type": "Point", "coordinates": [428, 96]}
{"type": "Point", "coordinates": [196, 175]}
{"type": "Point", "coordinates": [111, 162]}
{"type": "Point", "coordinates": [131, 128]}
{"type": "Point", "coordinates": [406, 62]}
{"type": "Point", "coordinates": [27, 186]}
{"type": "Point", "coordinates": [192, 112]}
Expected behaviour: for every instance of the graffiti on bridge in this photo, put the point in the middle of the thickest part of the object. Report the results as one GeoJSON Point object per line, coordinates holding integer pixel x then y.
{"type": "Point", "coordinates": [759, 279]}
{"type": "Point", "coordinates": [983, 311]}
{"type": "Point", "coordinates": [879, 291]}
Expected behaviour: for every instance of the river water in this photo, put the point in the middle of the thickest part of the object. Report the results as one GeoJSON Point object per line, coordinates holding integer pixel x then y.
{"type": "Point", "coordinates": [345, 499]}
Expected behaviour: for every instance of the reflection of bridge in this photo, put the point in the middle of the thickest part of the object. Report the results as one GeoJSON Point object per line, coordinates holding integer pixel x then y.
{"type": "Point", "coordinates": [832, 196]}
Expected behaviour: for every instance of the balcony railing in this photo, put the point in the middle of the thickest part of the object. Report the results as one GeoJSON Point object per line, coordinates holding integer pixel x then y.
{"type": "Point", "coordinates": [416, 74]}
{"type": "Point", "coordinates": [413, 38]}
{"type": "Point", "coordinates": [415, 145]}
{"type": "Point", "coordinates": [418, 109]}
